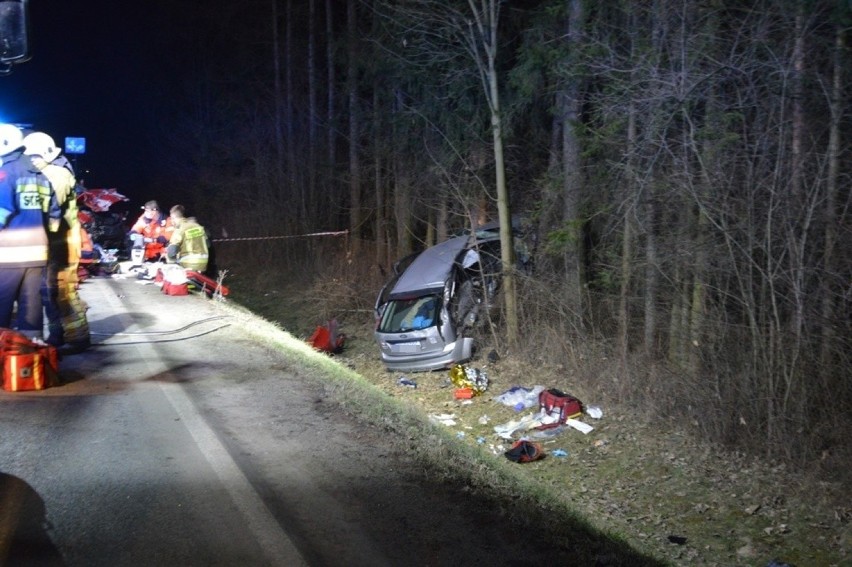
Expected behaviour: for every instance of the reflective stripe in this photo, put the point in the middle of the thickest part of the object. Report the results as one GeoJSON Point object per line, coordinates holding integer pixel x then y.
{"type": "Point", "coordinates": [194, 232]}
{"type": "Point", "coordinates": [40, 192]}
{"type": "Point", "coordinates": [20, 254]}
{"type": "Point", "coordinates": [193, 258]}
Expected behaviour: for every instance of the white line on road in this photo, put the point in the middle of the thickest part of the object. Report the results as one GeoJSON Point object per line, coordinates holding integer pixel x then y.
{"type": "Point", "coordinates": [277, 546]}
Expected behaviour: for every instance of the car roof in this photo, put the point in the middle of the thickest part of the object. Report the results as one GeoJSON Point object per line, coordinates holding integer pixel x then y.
{"type": "Point", "coordinates": [428, 272]}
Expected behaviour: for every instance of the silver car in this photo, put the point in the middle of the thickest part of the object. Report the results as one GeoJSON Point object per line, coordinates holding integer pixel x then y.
{"type": "Point", "coordinates": [427, 312]}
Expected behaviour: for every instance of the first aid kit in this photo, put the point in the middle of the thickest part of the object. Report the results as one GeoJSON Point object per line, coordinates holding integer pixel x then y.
{"type": "Point", "coordinates": [558, 405]}
{"type": "Point", "coordinates": [27, 365]}
{"type": "Point", "coordinates": [174, 280]}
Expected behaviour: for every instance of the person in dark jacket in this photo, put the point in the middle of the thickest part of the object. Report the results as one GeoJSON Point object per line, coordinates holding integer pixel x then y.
{"type": "Point", "coordinates": [27, 204]}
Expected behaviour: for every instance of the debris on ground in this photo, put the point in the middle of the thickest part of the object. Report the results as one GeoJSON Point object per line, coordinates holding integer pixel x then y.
{"type": "Point", "coordinates": [524, 451]}
{"type": "Point", "coordinates": [520, 398]}
{"type": "Point", "coordinates": [464, 377]}
{"type": "Point", "coordinates": [447, 419]}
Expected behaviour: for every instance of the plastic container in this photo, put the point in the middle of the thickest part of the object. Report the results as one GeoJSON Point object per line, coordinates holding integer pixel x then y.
{"type": "Point", "coordinates": [463, 393]}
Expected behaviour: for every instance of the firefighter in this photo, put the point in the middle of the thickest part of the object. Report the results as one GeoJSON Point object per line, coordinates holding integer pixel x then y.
{"type": "Point", "coordinates": [151, 232]}
{"type": "Point", "coordinates": [26, 199]}
{"type": "Point", "coordinates": [188, 246]}
{"type": "Point", "coordinates": [65, 310]}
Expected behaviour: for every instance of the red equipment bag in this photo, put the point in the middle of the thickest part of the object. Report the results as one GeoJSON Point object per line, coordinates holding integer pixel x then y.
{"type": "Point", "coordinates": [170, 288]}
{"type": "Point", "coordinates": [327, 338]}
{"type": "Point", "coordinates": [26, 365]}
{"type": "Point", "coordinates": [210, 286]}
{"type": "Point", "coordinates": [523, 451]}
{"type": "Point", "coordinates": [560, 405]}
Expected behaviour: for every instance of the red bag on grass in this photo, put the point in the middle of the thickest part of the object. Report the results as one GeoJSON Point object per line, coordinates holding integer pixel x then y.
{"type": "Point", "coordinates": [560, 405]}
{"type": "Point", "coordinates": [327, 338]}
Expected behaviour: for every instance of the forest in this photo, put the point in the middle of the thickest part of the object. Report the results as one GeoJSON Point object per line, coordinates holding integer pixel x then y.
{"type": "Point", "coordinates": [680, 169]}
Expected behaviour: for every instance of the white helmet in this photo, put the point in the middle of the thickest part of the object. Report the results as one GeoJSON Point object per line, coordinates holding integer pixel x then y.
{"type": "Point", "coordinates": [40, 144]}
{"type": "Point", "coordinates": [11, 139]}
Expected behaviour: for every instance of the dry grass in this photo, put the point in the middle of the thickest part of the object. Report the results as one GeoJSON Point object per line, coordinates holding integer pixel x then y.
{"type": "Point", "coordinates": [641, 473]}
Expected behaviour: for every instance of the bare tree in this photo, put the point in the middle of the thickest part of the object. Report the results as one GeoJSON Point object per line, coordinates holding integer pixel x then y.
{"type": "Point", "coordinates": [568, 103]}
{"type": "Point", "coordinates": [289, 104]}
{"type": "Point", "coordinates": [355, 213]}
{"type": "Point", "coordinates": [330, 119]}
{"type": "Point", "coordinates": [827, 293]}
{"type": "Point", "coordinates": [309, 192]}
{"type": "Point", "coordinates": [277, 91]}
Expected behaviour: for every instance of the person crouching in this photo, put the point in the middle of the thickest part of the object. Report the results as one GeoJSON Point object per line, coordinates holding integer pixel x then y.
{"type": "Point", "coordinates": [189, 246]}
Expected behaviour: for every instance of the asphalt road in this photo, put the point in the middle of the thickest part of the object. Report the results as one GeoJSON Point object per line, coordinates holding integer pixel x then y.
{"type": "Point", "coordinates": [117, 466]}
{"type": "Point", "coordinates": [178, 439]}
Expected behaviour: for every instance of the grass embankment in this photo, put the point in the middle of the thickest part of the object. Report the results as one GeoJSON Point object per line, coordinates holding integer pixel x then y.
{"type": "Point", "coordinates": [644, 482]}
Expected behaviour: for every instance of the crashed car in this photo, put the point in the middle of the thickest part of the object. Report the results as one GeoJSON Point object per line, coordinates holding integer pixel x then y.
{"type": "Point", "coordinates": [427, 313]}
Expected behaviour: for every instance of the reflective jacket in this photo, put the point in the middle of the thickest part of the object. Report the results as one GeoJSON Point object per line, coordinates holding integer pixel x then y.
{"type": "Point", "coordinates": [65, 244]}
{"type": "Point", "coordinates": [156, 229]}
{"type": "Point", "coordinates": [27, 204]}
{"type": "Point", "coordinates": [188, 245]}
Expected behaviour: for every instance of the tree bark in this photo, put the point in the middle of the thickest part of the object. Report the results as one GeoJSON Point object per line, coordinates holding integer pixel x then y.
{"type": "Point", "coordinates": [308, 195]}
{"type": "Point", "coordinates": [332, 187]}
{"type": "Point", "coordinates": [378, 182]}
{"type": "Point", "coordinates": [354, 127]}
{"type": "Point", "coordinates": [289, 113]}
{"type": "Point", "coordinates": [829, 211]}
{"type": "Point", "coordinates": [569, 105]}
{"type": "Point", "coordinates": [485, 37]}
{"type": "Point", "coordinates": [277, 89]}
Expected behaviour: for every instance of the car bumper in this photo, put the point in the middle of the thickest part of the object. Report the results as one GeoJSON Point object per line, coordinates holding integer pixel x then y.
{"type": "Point", "coordinates": [453, 353]}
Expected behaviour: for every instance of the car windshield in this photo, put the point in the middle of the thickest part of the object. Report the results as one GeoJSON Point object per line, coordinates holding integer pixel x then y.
{"type": "Point", "coordinates": [401, 315]}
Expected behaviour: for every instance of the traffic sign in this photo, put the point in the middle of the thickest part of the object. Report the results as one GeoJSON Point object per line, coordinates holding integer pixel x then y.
{"type": "Point", "coordinates": [75, 145]}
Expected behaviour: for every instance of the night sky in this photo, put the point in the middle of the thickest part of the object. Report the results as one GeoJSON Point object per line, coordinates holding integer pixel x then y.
{"type": "Point", "coordinates": [95, 69]}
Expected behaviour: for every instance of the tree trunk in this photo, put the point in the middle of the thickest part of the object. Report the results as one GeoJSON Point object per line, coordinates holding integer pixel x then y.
{"type": "Point", "coordinates": [331, 122]}
{"type": "Point", "coordinates": [569, 105]}
{"type": "Point", "coordinates": [829, 211]}
{"type": "Point", "coordinates": [443, 220]}
{"type": "Point", "coordinates": [486, 23]}
{"type": "Point", "coordinates": [627, 247]}
{"type": "Point", "coordinates": [277, 92]}
{"type": "Point", "coordinates": [354, 133]}
{"type": "Point", "coordinates": [292, 179]}
{"type": "Point", "coordinates": [380, 220]}
{"type": "Point", "coordinates": [651, 275]}
{"type": "Point", "coordinates": [401, 186]}
{"type": "Point", "coordinates": [330, 103]}
{"type": "Point", "coordinates": [309, 195]}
